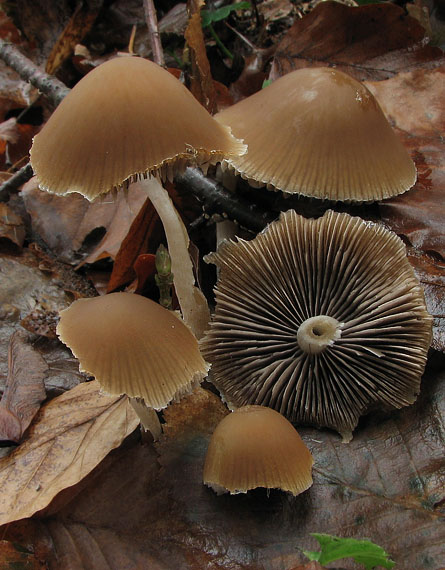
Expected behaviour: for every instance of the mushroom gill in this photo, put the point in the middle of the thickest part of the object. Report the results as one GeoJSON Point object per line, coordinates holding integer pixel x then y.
{"type": "Point", "coordinates": [320, 319]}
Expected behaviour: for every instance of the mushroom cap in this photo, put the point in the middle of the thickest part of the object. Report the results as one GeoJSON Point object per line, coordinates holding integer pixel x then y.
{"type": "Point", "coordinates": [319, 319]}
{"type": "Point", "coordinates": [126, 118]}
{"type": "Point", "coordinates": [321, 133]}
{"type": "Point", "coordinates": [257, 447]}
{"type": "Point", "coordinates": [133, 346]}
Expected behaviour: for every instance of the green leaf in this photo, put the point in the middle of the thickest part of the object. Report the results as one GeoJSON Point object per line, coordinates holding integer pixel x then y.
{"type": "Point", "coordinates": [266, 83]}
{"type": "Point", "coordinates": [363, 551]}
{"type": "Point", "coordinates": [210, 16]}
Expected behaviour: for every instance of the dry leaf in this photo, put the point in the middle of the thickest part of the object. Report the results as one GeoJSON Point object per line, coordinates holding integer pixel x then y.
{"type": "Point", "coordinates": [11, 226]}
{"type": "Point", "coordinates": [387, 485]}
{"type": "Point", "coordinates": [201, 82]}
{"type": "Point", "coordinates": [369, 42]}
{"type": "Point", "coordinates": [69, 437]}
{"type": "Point", "coordinates": [14, 556]}
{"type": "Point", "coordinates": [24, 289]}
{"type": "Point", "coordinates": [144, 235]}
{"type": "Point", "coordinates": [9, 130]}
{"type": "Point", "coordinates": [78, 26]}
{"type": "Point", "coordinates": [431, 274]}
{"type": "Point", "coordinates": [64, 222]}
{"type": "Point", "coordinates": [413, 102]}
{"type": "Point", "coordinates": [24, 390]}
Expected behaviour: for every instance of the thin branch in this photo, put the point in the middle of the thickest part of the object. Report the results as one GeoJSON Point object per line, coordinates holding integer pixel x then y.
{"type": "Point", "coordinates": [217, 200]}
{"type": "Point", "coordinates": [14, 183]}
{"type": "Point", "coordinates": [54, 89]}
{"type": "Point", "coordinates": [153, 32]}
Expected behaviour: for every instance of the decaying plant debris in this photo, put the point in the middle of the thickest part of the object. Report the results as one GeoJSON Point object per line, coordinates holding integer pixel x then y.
{"type": "Point", "coordinates": [78, 474]}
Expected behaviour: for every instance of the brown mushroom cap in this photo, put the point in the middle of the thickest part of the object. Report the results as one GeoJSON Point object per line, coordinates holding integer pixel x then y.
{"type": "Point", "coordinates": [320, 133]}
{"type": "Point", "coordinates": [133, 346]}
{"type": "Point", "coordinates": [126, 118]}
{"type": "Point", "coordinates": [318, 319]}
{"type": "Point", "coordinates": [257, 447]}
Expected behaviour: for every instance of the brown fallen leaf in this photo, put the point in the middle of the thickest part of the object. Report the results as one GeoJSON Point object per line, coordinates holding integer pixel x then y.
{"type": "Point", "coordinates": [431, 274]}
{"type": "Point", "coordinates": [11, 226]}
{"type": "Point", "coordinates": [371, 42]}
{"type": "Point", "coordinates": [64, 222]}
{"type": "Point", "coordinates": [15, 556]}
{"type": "Point", "coordinates": [68, 438]}
{"type": "Point", "coordinates": [386, 485]}
{"type": "Point", "coordinates": [201, 82]}
{"type": "Point", "coordinates": [144, 235]}
{"type": "Point", "coordinates": [24, 390]}
{"type": "Point", "coordinates": [78, 26]}
{"type": "Point", "coordinates": [413, 102]}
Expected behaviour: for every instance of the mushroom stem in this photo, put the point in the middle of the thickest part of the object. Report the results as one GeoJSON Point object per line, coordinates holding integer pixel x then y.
{"type": "Point", "coordinates": [317, 333]}
{"type": "Point", "coordinates": [193, 303]}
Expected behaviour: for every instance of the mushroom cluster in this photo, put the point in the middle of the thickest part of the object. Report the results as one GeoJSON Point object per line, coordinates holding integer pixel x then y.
{"type": "Point", "coordinates": [130, 120]}
{"type": "Point", "coordinates": [320, 319]}
{"type": "Point", "coordinates": [320, 133]}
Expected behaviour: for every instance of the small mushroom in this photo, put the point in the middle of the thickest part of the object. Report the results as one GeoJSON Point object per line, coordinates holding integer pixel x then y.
{"type": "Point", "coordinates": [320, 133]}
{"type": "Point", "coordinates": [130, 120]}
{"type": "Point", "coordinates": [257, 447]}
{"type": "Point", "coordinates": [319, 319]}
{"type": "Point", "coordinates": [133, 346]}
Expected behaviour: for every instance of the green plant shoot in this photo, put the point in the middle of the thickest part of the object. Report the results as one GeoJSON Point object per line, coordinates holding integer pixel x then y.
{"type": "Point", "coordinates": [209, 17]}
{"type": "Point", "coordinates": [334, 548]}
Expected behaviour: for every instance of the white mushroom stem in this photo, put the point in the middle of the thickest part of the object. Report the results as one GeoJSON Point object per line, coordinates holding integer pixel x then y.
{"type": "Point", "coordinates": [194, 307]}
{"type": "Point", "coordinates": [148, 416]}
{"type": "Point", "coordinates": [317, 333]}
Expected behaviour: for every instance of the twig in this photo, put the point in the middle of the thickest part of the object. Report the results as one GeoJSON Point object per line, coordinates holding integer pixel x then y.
{"type": "Point", "coordinates": [153, 32]}
{"type": "Point", "coordinates": [54, 89]}
{"type": "Point", "coordinates": [217, 200]}
{"type": "Point", "coordinates": [14, 183]}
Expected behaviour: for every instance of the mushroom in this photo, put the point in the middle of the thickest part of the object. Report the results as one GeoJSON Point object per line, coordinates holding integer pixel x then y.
{"type": "Point", "coordinates": [319, 132]}
{"type": "Point", "coordinates": [319, 319]}
{"type": "Point", "coordinates": [257, 447]}
{"type": "Point", "coordinates": [130, 120]}
{"type": "Point", "coordinates": [133, 346]}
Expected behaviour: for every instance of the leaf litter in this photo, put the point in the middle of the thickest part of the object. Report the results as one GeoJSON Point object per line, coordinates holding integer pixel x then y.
{"type": "Point", "coordinates": [388, 480]}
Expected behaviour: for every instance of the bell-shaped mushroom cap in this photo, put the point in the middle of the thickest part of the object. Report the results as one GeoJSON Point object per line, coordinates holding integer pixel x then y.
{"type": "Point", "coordinates": [320, 133]}
{"type": "Point", "coordinates": [126, 118]}
{"type": "Point", "coordinates": [318, 319]}
{"type": "Point", "coordinates": [257, 447]}
{"type": "Point", "coordinates": [133, 346]}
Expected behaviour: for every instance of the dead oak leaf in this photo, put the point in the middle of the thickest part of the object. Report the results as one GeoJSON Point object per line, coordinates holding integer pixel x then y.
{"type": "Point", "coordinates": [69, 437]}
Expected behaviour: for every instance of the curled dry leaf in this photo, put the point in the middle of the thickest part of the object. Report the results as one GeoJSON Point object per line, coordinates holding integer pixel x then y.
{"type": "Point", "coordinates": [202, 85]}
{"type": "Point", "coordinates": [70, 436]}
{"type": "Point", "coordinates": [24, 390]}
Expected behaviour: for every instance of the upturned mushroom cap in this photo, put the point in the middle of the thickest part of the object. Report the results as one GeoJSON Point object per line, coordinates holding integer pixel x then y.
{"type": "Point", "coordinates": [319, 319]}
{"type": "Point", "coordinates": [320, 133]}
{"type": "Point", "coordinates": [126, 118]}
{"type": "Point", "coordinates": [257, 447]}
{"type": "Point", "coordinates": [133, 346]}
